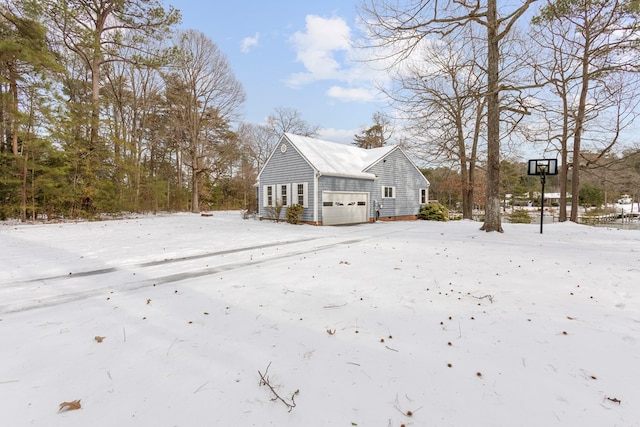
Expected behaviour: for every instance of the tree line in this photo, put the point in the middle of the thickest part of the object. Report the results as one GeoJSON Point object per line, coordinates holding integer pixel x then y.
{"type": "Point", "coordinates": [605, 184]}
{"type": "Point", "coordinates": [474, 80]}
{"type": "Point", "coordinates": [106, 107]}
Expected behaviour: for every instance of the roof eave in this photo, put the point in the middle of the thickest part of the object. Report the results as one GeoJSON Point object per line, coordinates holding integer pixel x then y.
{"type": "Point", "coordinates": [367, 176]}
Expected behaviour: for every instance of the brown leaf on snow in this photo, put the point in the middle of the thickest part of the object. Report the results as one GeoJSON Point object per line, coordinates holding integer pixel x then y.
{"type": "Point", "coordinates": [70, 406]}
{"type": "Point", "coordinates": [98, 338]}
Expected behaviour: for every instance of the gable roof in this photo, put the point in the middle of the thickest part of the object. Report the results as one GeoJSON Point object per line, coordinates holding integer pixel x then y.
{"type": "Point", "coordinates": [334, 159]}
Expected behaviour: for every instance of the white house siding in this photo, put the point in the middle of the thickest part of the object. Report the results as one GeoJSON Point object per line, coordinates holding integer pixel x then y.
{"type": "Point", "coordinates": [286, 168]}
{"type": "Point", "coordinates": [395, 170]}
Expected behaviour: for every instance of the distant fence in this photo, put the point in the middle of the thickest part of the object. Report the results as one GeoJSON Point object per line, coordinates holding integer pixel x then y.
{"type": "Point", "coordinates": [478, 215]}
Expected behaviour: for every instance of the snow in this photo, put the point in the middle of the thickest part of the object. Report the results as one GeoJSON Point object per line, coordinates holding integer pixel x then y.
{"type": "Point", "coordinates": [386, 324]}
{"type": "Point", "coordinates": [627, 207]}
{"type": "Point", "coordinates": [330, 158]}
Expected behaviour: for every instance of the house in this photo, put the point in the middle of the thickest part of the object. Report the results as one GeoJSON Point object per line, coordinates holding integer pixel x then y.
{"type": "Point", "coordinates": [340, 184]}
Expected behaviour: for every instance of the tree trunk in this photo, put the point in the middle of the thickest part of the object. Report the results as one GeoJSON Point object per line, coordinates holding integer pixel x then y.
{"type": "Point", "coordinates": [13, 87]}
{"type": "Point", "coordinates": [467, 190]}
{"type": "Point", "coordinates": [472, 160]}
{"type": "Point", "coordinates": [492, 220]}
{"type": "Point", "coordinates": [564, 174]}
{"type": "Point", "coordinates": [195, 200]}
{"type": "Point", "coordinates": [577, 136]}
{"type": "Point", "coordinates": [195, 170]}
{"type": "Point", "coordinates": [564, 168]}
{"type": "Point", "coordinates": [470, 191]}
{"type": "Point", "coordinates": [95, 103]}
{"type": "Point", "coordinates": [23, 190]}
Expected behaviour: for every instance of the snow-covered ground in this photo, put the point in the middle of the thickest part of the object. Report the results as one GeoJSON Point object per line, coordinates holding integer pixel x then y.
{"type": "Point", "coordinates": [386, 324]}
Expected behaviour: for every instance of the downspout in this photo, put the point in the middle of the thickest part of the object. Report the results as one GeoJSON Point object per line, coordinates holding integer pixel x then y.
{"type": "Point", "coordinates": [315, 197]}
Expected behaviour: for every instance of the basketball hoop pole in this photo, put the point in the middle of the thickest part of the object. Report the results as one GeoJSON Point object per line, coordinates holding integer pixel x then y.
{"type": "Point", "coordinates": [543, 179]}
{"type": "Point", "coordinates": [542, 167]}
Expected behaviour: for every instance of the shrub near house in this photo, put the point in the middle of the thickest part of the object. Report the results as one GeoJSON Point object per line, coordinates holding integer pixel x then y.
{"type": "Point", "coordinates": [433, 212]}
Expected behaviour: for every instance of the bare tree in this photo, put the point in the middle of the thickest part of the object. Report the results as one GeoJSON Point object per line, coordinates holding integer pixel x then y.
{"type": "Point", "coordinates": [132, 96]}
{"type": "Point", "coordinates": [400, 27]}
{"type": "Point", "coordinates": [205, 98]}
{"type": "Point", "coordinates": [591, 70]}
{"type": "Point", "coordinates": [290, 120]}
{"type": "Point", "coordinates": [257, 141]}
{"type": "Point", "coordinates": [441, 99]}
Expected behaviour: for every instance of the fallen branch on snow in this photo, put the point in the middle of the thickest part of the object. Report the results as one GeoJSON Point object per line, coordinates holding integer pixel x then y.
{"type": "Point", "coordinates": [490, 297]}
{"type": "Point", "coordinates": [264, 380]}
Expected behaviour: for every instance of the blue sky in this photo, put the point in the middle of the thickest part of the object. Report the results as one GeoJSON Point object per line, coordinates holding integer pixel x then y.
{"type": "Point", "coordinates": [293, 54]}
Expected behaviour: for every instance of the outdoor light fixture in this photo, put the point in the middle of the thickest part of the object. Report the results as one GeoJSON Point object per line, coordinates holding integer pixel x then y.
{"type": "Point", "coordinates": [542, 167]}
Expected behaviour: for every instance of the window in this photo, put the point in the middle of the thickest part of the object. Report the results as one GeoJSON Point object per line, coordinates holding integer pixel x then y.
{"type": "Point", "coordinates": [285, 194]}
{"type": "Point", "coordinates": [423, 196]}
{"type": "Point", "coordinates": [388, 192]}
{"type": "Point", "coordinates": [282, 194]}
{"type": "Point", "coordinates": [267, 196]}
{"type": "Point", "coordinates": [299, 194]}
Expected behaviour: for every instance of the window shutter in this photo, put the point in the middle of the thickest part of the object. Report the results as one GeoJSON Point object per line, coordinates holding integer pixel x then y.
{"type": "Point", "coordinates": [289, 195]}
{"type": "Point", "coordinates": [305, 193]}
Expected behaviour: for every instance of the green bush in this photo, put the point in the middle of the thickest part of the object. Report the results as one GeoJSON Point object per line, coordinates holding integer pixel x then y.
{"type": "Point", "coordinates": [520, 216]}
{"type": "Point", "coordinates": [433, 212]}
{"type": "Point", "coordinates": [293, 214]}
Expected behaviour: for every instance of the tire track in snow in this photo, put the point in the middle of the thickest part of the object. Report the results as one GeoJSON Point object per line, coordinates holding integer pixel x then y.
{"type": "Point", "coordinates": [159, 262]}
{"type": "Point", "coordinates": [28, 302]}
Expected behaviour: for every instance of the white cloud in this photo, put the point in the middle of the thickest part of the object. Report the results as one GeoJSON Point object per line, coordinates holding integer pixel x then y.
{"type": "Point", "coordinates": [326, 51]}
{"type": "Point", "coordinates": [317, 48]}
{"type": "Point", "coordinates": [351, 94]}
{"type": "Point", "coordinates": [249, 42]}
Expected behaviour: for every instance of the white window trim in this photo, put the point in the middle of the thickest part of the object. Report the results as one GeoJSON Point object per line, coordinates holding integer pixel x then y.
{"type": "Point", "coordinates": [305, 192]}
{"type": "Point", "coordinates": [393, 192]}
{"type": "Point", "coordinates": [426, 196]}
{"type": "Point", "coordinates": [279, 193]}
{"type": "Point", "coordinates": [265, 195]}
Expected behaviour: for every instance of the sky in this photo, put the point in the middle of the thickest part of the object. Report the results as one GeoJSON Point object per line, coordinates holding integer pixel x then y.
{"type": "Point", "coordinates": [300, 55]}
{"type": "Point", "coordinates": [172, 320]}
{"type": "Point", "coordinates": [293, 54]}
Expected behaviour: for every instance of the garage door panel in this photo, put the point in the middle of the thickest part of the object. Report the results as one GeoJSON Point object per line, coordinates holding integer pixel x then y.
{"type": "Point", "coordinates": [344, 208]}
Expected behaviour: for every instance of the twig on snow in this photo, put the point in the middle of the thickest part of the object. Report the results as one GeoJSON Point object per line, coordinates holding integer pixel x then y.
{"type": "Point", "coordinates": [335, 305]}
{"type": "Point", "coordinates": [490, 297]}
{"type": "Point", "coordinates": [264, 380]}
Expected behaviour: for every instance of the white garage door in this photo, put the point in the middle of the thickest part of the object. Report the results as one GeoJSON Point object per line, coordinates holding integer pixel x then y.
{"type": "Point", "coordinates": [344, 208]}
